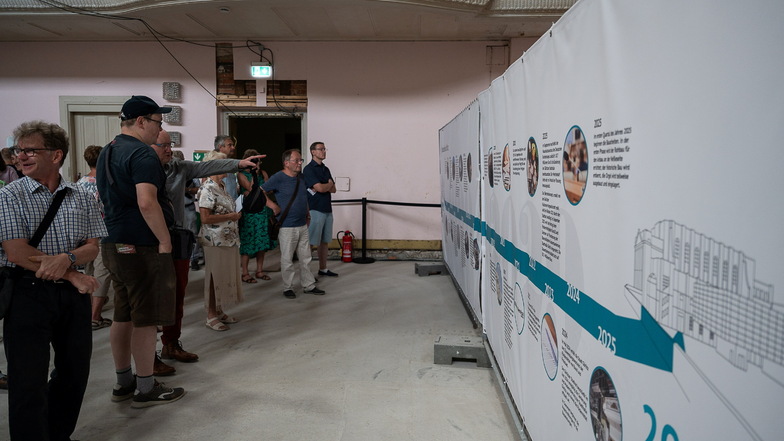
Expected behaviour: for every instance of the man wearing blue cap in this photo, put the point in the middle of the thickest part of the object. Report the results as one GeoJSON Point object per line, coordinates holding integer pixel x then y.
{"type": "Point", "coordinates": [137, 250]}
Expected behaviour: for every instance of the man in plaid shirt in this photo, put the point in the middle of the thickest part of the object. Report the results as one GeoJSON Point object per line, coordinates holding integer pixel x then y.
{"type": "Point", "coordinates": [51, 299]}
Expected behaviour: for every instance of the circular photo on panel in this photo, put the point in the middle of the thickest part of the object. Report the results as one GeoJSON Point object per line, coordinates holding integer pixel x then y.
{"type": "Point", "coordinates": [499, 283]}
{"type": "Point", "coordinates": [605, 408]}
{"type": "Point", "coordinates": [549, 341]}
{"type": "Point", "coordinates": [506, 169]}
{"type": "Point", "coordinates": [519, 311]}
{"type": "Point", "coordinates": [475, 249]}
{"type": "Point", "coordinates": [490, 169]}
{"type": "Point", "coordinates": [532, 168]}
{"type": "Point", "coordinates": [468, 167]}
{"type": "Point", "coordinates": [575, 165]}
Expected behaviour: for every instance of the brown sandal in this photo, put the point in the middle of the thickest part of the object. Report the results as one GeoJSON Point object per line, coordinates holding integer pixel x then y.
{"type": "Point", "coordinates": [262, 276]}
{"type": "Point", "coordinates": [226, 319]}
{"type": "Point", "coordinates": [247, 278]}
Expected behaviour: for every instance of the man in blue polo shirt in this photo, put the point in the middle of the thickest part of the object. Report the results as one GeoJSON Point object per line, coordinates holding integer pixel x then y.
{"type": "Point", "coordinates": [293, 237]}
{"type": "Point", "coordinates": [320, 185]}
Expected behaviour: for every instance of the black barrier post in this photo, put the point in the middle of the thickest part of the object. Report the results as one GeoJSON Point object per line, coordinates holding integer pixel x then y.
{"type": "Point", "coordinates": [365, 201]}
{"type": "Point", "coordinates": [364, 258]}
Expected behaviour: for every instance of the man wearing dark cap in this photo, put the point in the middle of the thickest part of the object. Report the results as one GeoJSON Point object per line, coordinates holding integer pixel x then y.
{"type": "Point", "coordinates": [137, 250]}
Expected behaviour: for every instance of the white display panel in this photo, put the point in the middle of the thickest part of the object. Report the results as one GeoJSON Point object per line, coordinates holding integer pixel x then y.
{"type": "Point", "coordinates": [631, 229]}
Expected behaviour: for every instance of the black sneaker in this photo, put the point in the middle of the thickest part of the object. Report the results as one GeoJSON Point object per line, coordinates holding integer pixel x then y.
{"type": "Point", "coordinates": [327, 273]}
{"type": "Point", "coordinates": [316, 291]}
{"type": "Point", "coordinates": [120, 393]}
{"type": "Point", "coordinates": [289, 294]}
{"type": "Point", "coordinates": [160, 394]}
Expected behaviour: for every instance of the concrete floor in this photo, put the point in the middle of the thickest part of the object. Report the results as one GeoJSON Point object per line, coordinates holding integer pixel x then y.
{"type": "Point", "coordinates": [353, 365]}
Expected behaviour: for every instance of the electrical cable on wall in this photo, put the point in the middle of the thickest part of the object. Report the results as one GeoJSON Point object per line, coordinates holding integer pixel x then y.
{"type": "Point", "coordinates": [271, 61]}
{"type": "Point", "coordinates": [158, 35]}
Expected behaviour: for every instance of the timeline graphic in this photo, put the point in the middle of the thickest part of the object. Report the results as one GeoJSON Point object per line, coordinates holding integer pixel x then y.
{"type": "Point", "coordinates": [642, 340]}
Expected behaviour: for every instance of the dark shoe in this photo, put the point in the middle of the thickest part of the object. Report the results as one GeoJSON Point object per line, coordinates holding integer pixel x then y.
{"type": "Point", "coordinates": [289, 294]}
{"type": "Point", "coordinates": [195, 265]}
{"type": "Point", "coordinates": [120, 393]}
{"type": "Point", "coordinates": [160, 394]}
{"type": "Point", "coordinates": [161, 369]}
{"type": "Point", "coordinates": [4, 381]}
{"type": "Point", "coordinates": [175, 351]}
{"type": "Point", "coordinates": [327, 273]}
{"type": "Point", "coordinates": [316, 291]}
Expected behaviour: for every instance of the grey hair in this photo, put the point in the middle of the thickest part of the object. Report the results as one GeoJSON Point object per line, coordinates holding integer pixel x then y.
{"type": "Point", "coordinates": [220, 139]}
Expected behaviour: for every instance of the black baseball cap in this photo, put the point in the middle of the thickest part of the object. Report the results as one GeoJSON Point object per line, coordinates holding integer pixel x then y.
{"type": "Point", "coordinates": [139, 105]}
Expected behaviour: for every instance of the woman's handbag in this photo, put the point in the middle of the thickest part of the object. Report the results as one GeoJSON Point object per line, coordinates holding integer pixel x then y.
{"type": "Point", "coordinates": [273, 228]}
{"type": "Point", "coordinates": [255, 200]}
{"type": "Point", "coordinates": [183, 241]}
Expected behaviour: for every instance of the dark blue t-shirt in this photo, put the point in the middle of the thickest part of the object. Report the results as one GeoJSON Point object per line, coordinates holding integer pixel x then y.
{"type": "Point", "coordinates": [283, 186]}
{"type": "Point", "coordinates": [131, 162]}
{"type": "Point", "coordinates": [316, 173]}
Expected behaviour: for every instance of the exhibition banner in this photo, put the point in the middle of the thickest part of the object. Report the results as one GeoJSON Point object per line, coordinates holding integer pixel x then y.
{"type": "Point", "coordinates": [632, 239]}
{"type": "Point", "coordinates": [460, 187]}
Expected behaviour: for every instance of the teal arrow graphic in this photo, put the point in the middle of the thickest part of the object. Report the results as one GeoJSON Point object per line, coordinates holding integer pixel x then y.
{"type": "Point", "coordinates": [640, 340]}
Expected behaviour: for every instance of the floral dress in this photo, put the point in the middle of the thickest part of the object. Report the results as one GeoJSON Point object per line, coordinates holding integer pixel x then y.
{"type": "Point", "coordinates": [213, 197]}
{"type": "Point", "coordinates": [254, 235]}
{"type": "Point", "coordinates": [220, 241]}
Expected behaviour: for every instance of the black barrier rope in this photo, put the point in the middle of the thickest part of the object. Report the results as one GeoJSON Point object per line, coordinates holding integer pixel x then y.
{"type": "Point", "coordinates": [365, 202]}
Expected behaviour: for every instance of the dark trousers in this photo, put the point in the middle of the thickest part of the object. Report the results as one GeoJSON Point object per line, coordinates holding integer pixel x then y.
{"type": "Point", "coordinates": [171, 334]}
{"type": "Point", "coordinates": [43, 314]}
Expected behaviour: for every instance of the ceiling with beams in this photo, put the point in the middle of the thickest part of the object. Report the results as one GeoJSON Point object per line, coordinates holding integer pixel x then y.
{"type": "Point", "coordinates": [277, 20]}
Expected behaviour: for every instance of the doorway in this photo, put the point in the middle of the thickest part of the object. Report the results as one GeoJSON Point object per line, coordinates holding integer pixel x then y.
{"type": "Point", "coordinates": [89, 128]}
{"type": "Point", "coordinates": [268, 133]}
{"type": "Point", "coordinates": [88, 120]}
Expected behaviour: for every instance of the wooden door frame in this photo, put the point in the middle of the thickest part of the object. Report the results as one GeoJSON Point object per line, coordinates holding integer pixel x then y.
{"type": "Point", "coordinates": [70, 104]}
{"type": "Point", "coordinates": [261, 113]}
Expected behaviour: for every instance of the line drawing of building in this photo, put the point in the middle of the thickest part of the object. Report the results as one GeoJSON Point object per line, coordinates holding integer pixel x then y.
{"type": "Point", "coordinates": [707, 290]}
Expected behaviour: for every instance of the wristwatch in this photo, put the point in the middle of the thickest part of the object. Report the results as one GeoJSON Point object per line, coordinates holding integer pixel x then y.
{"type": "Point", "coordinates": [71, 257]}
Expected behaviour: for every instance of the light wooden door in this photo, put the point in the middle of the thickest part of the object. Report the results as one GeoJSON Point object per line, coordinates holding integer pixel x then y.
{"type": "Point", "coordinates": [88, 120]}
{"type": "Point", "coordinates": [89, 128]}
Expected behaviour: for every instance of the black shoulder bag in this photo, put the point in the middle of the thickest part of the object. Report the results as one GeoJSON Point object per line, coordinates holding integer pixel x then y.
{"type": "Point", "coordinates": [274, 226]}
{"type": "Point", "coordinates": [255, 200]}
{"type": "Point", "coordinates": [8, 275]}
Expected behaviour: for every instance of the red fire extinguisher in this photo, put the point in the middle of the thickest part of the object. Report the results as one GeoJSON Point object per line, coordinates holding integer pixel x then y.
{"type": "Point", "coordinates": [347, 248]}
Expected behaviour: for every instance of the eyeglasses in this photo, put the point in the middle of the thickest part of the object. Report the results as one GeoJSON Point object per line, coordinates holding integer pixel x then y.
{"type": "Point", "coordinates": [165, 145]}
{"type": "Point", "coordinates": [28, 152]}
{"type": "Point", "coordinates": [323, 149]}
{"type": "Point", "coordinates": [297, 161]}
{"type": "Point", "coordinates": [160, 123]}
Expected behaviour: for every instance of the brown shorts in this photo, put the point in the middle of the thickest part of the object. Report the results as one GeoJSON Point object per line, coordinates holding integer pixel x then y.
{"type": "Point", "coordinates": [144, 284]}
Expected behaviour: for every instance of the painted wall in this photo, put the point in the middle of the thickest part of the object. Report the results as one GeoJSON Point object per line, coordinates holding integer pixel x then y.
{"type": "Point", "coordinates": [378, 106]}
